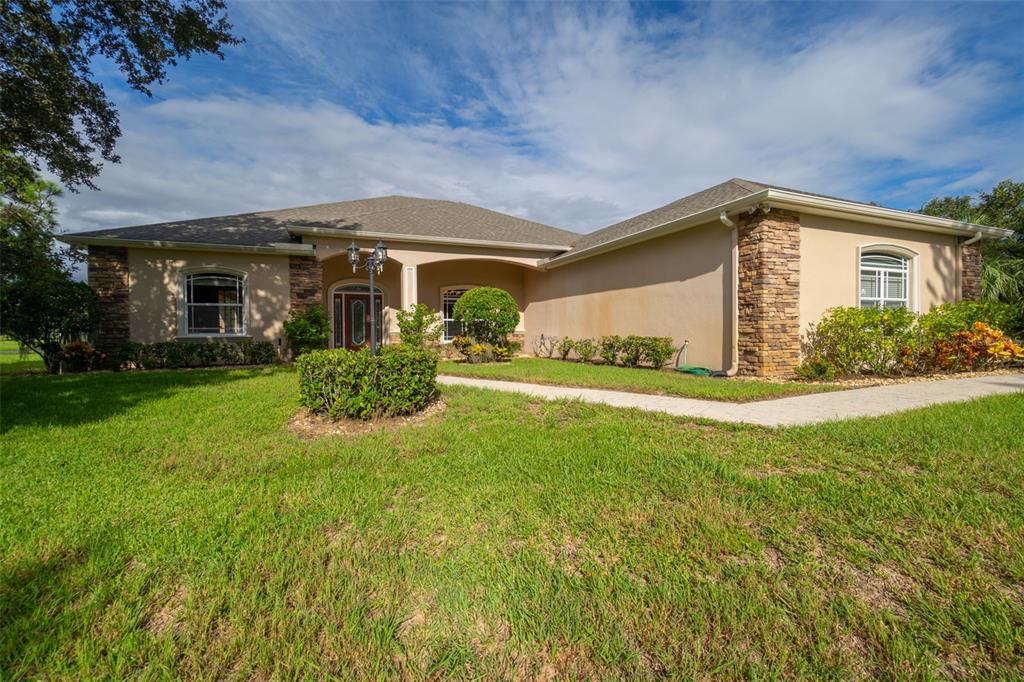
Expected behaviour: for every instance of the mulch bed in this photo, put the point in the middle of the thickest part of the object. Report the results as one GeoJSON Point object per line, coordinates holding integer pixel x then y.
{"type": "Point", "coordinates": [309, 426]}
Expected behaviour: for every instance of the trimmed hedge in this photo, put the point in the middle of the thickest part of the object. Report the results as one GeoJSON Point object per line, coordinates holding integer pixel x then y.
{"type": "Point", "coordinates": [631, 351]}
{"type": "Point", "coordinates": [401, 379]}
{"type": "Point", "coordinates": [634, 351]}
{"type": "Point", "coordinates": [178, 354]}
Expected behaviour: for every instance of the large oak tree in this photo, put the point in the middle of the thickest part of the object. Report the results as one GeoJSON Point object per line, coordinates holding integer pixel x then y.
{"type": "Point", "coordinates": [52, 110]}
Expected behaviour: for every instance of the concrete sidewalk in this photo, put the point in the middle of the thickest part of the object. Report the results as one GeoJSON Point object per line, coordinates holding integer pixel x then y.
{"type": "Point", "coordinates": [805, 409]}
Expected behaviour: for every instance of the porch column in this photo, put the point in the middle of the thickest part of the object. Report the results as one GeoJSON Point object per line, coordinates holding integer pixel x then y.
{"type": "Point", "coordinates": [409, 297]}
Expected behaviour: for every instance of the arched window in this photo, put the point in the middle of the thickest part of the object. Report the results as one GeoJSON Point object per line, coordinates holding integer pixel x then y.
{"type": "Point", "coordinates": [214, 304]}
{"type": "Point", "coordinates": [884, 280]}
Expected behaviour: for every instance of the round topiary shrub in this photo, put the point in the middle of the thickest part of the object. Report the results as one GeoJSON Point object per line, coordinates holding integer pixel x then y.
{"type": "Point", "coordinates": [400, 380]}
{"type": "Point", "coordinates": [488, 314]}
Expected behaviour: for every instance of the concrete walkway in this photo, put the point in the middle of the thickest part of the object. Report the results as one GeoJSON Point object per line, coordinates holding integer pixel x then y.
{"type": "Point", "coordinates": [805, 409]}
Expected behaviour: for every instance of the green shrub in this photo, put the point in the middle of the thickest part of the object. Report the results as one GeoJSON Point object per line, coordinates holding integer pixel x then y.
{"type": "Point", "coordinates": [609, 349]}
{"type": "Point", "coordinates": [565, 347]}
{"type": "Point", "coordinates": [419, 326]}
{"type": "Point", "coordinates": [941, 322]}
{"type": "Point", "coordinates": [862, 340]}
{"type": "Point", "coordinates": [258, 352]}
{"type": "Point", "coordinates": [307, 330]}
{"type": "Point", "coordinates": [342, 383]}
{"type": "Point", "coordinates": [476, 352]}
{"type": "Point", "coordinates": [178, 354]}
{"type": "Point", "coordinates": [894, 341]}
{"type": "Point", "coordinates": [631, 351]}
{"type": "Point", "coordinates": [585, 350]}
{"type": "Point", "coordinates": [488, 314]}
{"type": "Point", "coordinates": [656, 350]}
{"type": "Point", "coordinates": [816, 368]}
{"type": "Point", "coordinates": [78, 356]}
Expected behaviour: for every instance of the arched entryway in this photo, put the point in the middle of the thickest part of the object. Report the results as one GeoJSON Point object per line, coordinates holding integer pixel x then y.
{"type": "Point", "coordinates": [350, 315]}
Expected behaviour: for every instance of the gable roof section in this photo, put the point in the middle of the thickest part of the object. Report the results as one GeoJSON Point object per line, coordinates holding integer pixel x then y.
{"type": "Point", "coordinates": [723, 193]}
{"type": "Point", "coordinates": [394, 216]}
{"type": "Point", "coordinates": [735, 195]}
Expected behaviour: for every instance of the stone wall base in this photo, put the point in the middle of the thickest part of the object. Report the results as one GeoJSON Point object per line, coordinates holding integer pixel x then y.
{"type": "Point", "coordinates": [970, 272]}
{"type": "Point", "coordinates": [769, 293]}
{"type": "Point", "coordinates": [108, 277]}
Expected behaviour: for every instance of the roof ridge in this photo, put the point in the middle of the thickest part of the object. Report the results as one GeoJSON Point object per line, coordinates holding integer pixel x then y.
{"type": "Point", "coordinates": [527, 220]}
{"type": "Point", "coordinates": [749, 185]}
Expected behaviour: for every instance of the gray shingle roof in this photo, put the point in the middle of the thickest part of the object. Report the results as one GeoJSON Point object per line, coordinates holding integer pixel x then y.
{"type": "Point", "coordinates": [396, 215]}
{"type": "Point", "coordinates": [677, 210]}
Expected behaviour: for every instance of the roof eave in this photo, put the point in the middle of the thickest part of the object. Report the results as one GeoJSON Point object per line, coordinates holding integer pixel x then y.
{"type": "Point", "coordinates": [878, 215]}
{"type": "Point", "coordinates": [794, 201]}
{"type": "Point", "coordinates": [276, 248]}
{"type": "Point", "coordinates": [421, 239]}
{"type": "Point", "coordinates": [669, 227]}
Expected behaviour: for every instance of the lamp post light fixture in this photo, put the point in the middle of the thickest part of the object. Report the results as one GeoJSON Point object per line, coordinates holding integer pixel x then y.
{"type": "Point", "coordinates": [373, 264]}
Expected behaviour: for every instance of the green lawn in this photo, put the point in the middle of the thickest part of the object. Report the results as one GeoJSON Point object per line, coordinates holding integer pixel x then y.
{"type": "Point", "coordinates": [638, 380]}
{"type": "Point", "coordinates": [12, 361]}
{"type": "Point", "coordinates": [165, 524]}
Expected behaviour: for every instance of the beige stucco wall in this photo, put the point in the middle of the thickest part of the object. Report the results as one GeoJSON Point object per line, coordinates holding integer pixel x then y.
{"type": "Point", "coordinates": [671, 286]}
{"type": "Point", "coordinates": [432, 277]}
{"type": "Point", "coordinates": [830, 269]}
{"type": "Point", "coordinates": [155, 281]}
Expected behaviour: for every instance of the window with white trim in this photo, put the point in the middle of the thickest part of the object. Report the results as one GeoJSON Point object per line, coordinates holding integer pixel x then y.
{"type": "Point", "coordinates": [214, 304]}
{"type": "Point", "coordinates": [884, 280]}
{"type": "Point", "coordinates": [452, 327]}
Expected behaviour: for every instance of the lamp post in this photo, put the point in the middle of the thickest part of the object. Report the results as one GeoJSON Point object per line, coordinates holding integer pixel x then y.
{"type": "Point", "coordinates": [373, 264]}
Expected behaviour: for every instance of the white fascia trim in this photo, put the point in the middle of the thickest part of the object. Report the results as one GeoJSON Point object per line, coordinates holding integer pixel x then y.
{"type": "Point", "coordinates": [879, 215]}
{"type": "Point", "coordinates": [276, 248]}
{"type": "Point", "coordinates": [360, 234]}
{"type": "Point", "coordinates": [706, 216]}
{"type": "Point", "coordinates": [797, 202]}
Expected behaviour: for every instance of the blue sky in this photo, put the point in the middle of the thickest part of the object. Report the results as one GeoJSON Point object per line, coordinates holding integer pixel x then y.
{"type": "Point", "coordinates": [576, 115]}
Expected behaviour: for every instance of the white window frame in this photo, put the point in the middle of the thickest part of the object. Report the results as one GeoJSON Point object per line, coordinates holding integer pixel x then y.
{"type": "Point", "coordinates": [443, 294]}
{"type": "Point", "coordinates": [183, 303]}
{"type": "Point", "coordinates": [910, 271]}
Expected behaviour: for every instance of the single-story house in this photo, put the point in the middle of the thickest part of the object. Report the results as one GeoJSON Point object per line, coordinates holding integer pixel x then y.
{"type": "Point", "coordinates": [739, 270]}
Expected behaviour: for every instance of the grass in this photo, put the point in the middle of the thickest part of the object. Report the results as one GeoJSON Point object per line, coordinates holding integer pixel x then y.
{"type": "Point", "coordinates": [12, 361]}
{"type": "Point", "coordinates": [166, 524]}
{"type": "Point", "coordinates": [637, 380]}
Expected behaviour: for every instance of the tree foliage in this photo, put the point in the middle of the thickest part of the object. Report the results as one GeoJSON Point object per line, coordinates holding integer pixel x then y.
{"type": "Point", "coordinates": [53, 111]}
{"type": "Point", "coordinates": [1002, 274]}
{"type": "Point", "coordinates": [41, 307]}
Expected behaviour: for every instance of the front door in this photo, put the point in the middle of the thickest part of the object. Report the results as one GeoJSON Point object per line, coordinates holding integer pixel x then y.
{"type": "Point", "coordinates": [352, 319]}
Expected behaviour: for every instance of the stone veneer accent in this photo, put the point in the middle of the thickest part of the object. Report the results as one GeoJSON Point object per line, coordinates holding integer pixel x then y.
{"type": "Point", "coordinates": [769, 293]}
{"type": "Point", "coordinates": [108, 277]}
{"type": "Point", "coordinates": [305, 282]}
{"type": "Point", "coordinates": [970, 272]}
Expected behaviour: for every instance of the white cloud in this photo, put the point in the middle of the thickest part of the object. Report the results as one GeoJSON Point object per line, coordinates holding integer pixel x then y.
{"type": "Point", "coordinates": [603, 116]}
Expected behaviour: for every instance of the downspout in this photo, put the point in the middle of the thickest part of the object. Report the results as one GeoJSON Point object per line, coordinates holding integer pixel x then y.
{"type": "Point", "coordinates": [735, 294]}
{"type": "Point", "coordinates": [960, 265]}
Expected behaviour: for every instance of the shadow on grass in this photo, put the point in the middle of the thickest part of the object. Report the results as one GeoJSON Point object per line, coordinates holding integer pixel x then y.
{"type": "Point", "coordinates": [42, 598]}
{"type": "Point", "coordinates": [33, 400]}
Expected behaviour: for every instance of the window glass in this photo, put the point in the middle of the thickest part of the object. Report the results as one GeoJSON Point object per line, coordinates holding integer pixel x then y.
{"type": "Point", "coordinates": [214, 304]}
{"type": "Point", "coordinates": [452, 327]}
{"type": "Point", "coordinates": [884, 280]}
{"type": "Point", "coordinates": [358, 312]}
